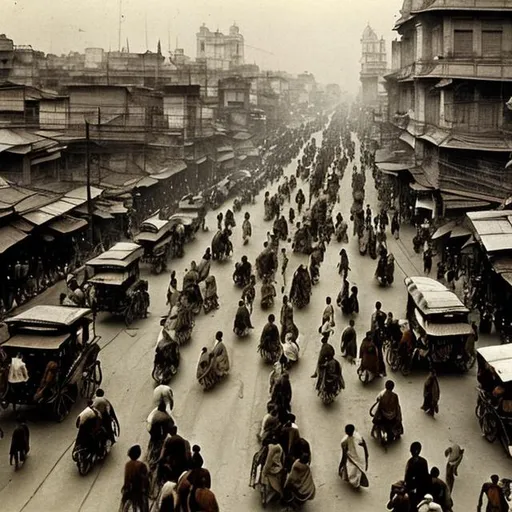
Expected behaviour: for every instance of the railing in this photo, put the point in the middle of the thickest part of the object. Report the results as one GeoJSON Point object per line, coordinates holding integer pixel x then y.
{"type": "Point", "coordinates": [498, 69]}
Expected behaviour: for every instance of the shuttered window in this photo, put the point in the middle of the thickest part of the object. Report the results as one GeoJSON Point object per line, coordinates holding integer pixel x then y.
{"type": "Point", "coordinates": [463, 43]}
{"type": "Point", "coordinates": [491, 43]}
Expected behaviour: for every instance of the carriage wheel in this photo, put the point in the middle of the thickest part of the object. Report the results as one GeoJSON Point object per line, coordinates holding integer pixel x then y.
{"type": "Point", "coordinates": [129, 314]}
{"type": "Point", "coordinates": [64, 401]}
{"type": "Point", "coordinates": [91, 380]}
{"type": "Point", "coordinates": [490, 427]}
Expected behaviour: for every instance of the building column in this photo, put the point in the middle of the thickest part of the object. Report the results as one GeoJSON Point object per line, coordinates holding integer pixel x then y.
{"type": "Point", "coordinates": [419, 42]}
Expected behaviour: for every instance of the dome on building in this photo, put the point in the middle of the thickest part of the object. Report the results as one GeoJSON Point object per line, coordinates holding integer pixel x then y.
{"type": "Point", "coordinates": [369, 34]}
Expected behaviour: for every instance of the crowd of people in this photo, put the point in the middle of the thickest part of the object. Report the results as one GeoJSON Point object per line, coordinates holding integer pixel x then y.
{"type": "Point", "coordinates": [173, 475]}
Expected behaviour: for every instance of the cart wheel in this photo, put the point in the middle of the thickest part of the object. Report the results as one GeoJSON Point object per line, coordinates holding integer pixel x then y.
{"type": "Point", "coordinates": [480, 409]}
{"type": "Point", "coordinates": [490, 427]}
{"type": "Point", "coordinates": [64, 401]}
{"type": "Point", "coordinates": [158, 267]}
{"type": "Point", "coordinates": [91, 380]}
{"type": "Point", "coordinates": [129, 315]}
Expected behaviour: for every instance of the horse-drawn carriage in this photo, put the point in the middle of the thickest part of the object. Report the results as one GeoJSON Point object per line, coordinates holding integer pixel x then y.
{"type": "Point", "coordinates": [50, 356]}
{"type": "Point", "coordinates": [117, 284]}
{"type": "Point", "coordinates": [155, 237]}
{"type": "Point", "coordinates": [494, 403]}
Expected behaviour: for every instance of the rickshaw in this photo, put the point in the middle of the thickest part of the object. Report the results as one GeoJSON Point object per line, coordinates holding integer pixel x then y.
{"type": "Point", "coordinates": [494, 403]}
{"type": "Point", "coordinates": [49, 358]}
{"type": "Point", "coordinates": [440, 323]}
{"type": "Point", "coordinates": [195, 205]}
{"type": "Point", "coordinates": [117, 284]}
{"type": "Point", "coordinates": [155, 238]}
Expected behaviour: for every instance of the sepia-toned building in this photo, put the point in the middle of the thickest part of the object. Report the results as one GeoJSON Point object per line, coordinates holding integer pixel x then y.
{"type": "Point", "coordinates": [448, 93]}
{"type": "Point", "coordinates": [218, 50]}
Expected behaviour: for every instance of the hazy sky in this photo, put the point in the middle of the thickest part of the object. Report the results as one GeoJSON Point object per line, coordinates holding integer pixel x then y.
{"type": "Point", "coordinates": [320, 36]}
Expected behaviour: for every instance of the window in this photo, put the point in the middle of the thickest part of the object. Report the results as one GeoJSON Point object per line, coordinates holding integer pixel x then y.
{"type": "Point", "coordinates": [436, 41]}
{"type": "Point", "coordinates": [202, 46]}
{"type": "Point", "coordinates": [491, 43]}
{"type": "Point", "coordinates": [463, 43]}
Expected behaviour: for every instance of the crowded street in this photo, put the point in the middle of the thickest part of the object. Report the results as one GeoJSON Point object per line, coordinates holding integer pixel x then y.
{"type": "Point", "coordinates": [224, 421]}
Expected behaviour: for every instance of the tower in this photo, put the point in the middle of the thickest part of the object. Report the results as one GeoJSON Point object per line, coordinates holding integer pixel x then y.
{"type": "Point", "coordinates": [373, 65]}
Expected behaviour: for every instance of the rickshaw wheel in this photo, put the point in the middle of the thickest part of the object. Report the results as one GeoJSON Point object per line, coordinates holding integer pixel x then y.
{"type": "Point", "coordinates": [490, 427]}
{"type": "Point", "coordinates": [91, 380]}
{"type": "Point", "coordinates": [129, 315]}
{"type": "Point", "coordinates": [158, 267]}
{"type": "Point", "coordinates": [64, 401]}
{"type": "Point", "coordinates": [480, 410]}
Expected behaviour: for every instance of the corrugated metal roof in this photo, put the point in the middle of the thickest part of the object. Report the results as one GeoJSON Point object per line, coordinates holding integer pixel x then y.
{"type": "Point", "coordinates": [443, 230]}
{"type": "Point", "coordinates": [67, 224]}
{"type": "Point", "coordinates": [59, 207]}
{"type": "Point", "coordinates": [22, 225]}
{"type": "Point", "coordinates": [460, 231]}
{"type": "Point", "coordinates": [175, 167]}
{"type": "Point", "coordinates": [146, 182]}
{"type": "Point", "coordinates": [38, 217]}
{"type": "Point", "coordinates": [9, 237]}
{"type": "Point", "coordinates": [81, 193]}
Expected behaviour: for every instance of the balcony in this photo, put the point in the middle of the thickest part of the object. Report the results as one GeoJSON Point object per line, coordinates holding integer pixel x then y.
{"type": "Point", "coordinates": [477, 68]}
{"type": "Point", "coordinates": [463, 5]}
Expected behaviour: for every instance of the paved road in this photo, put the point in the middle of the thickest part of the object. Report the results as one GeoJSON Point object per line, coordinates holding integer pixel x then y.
{"type": "Point", "coordinates": [225, 420]}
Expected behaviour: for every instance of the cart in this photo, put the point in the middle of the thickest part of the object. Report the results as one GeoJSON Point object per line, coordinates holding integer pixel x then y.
{"type": "Point", "coordinates": [155, 237]}
{"type": "Point", "coordinates": [59, 349]}
{"type": "Point", "coordinates": [117, 284]}
{"type": "Point", "coordinates": [438, 312]}
{"type": "Point", "coordinates": [494, 402]}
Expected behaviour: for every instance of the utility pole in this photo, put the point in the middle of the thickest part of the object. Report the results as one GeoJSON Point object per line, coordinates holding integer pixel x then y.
{"type": "Point", "coordinates": [89, 197]}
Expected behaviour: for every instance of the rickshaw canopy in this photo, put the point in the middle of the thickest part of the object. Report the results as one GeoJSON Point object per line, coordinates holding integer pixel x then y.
{"type": "Point", "coordinates": [122, 255]}
{"type": "Point", "coordinates": [155, 225]}
{"type": "Point", "coordinates": [500, 358]}
{"type": "Point", "coordinates": [431, 297]}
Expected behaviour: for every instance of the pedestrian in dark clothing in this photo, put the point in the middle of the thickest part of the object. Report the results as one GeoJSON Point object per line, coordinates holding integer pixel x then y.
{"type": "Point", "coordinates": [219, 221]}
{"type": "Point", "coordinates": [427, 261]}
{"type": "Point", "coordinates": [395, 226]}
{"type": "Point", "coordinates": [417, 478]}
{"type": "Point", "coordinates": [440, 491]}
{"type": "Point", "coordinates": [496, 501]}
{"type": "Point", "coordinates": [20, 443]}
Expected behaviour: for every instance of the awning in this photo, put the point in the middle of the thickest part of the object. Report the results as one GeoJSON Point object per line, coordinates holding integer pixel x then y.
{"type": "Point", "coordinates": [460, 231]}
{"type": "Point", "coordinates": [420, 178]}
{"type": "Point", "coordinates": [9, 237]}
{"type": "Point", "coordinates": [470, 241]}
{"type": "Point", "coordinates": [67, 224]}
{"type": "Point", "coordinates": [419, 188]}
{"type": "Point", "coordinates": [394, 166]}
{"type": "Point", "coordinates": [201, 160]}
{"type": "Point", "coordinates": [427, 204]}
{"type": "Point", "coordinates": [146, 182]}
{"type": "Point", "coordinates": [22, 225]}
{"type": "Point", "coordinates": [48, 158]}
{"type": "Point", "coordinates": [408, 139]}
{"type": "Point", "coordinates": [167, 173]}
{"type": "Point", "coordinates": [443, 230]}
{"type": "Point", "coordinates": [226, 157]}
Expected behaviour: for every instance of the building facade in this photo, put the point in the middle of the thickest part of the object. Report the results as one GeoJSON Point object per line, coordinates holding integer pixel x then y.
{"type": "Point", "coordinates": [447, 93]}
{"type": "Point", "coordinates": [373, 66]}
{"type": "Point", "coordinates": [218, 50]}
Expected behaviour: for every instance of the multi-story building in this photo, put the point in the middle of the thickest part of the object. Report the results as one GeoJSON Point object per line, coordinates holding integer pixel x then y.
{"type": "Point", "coordinates": [373, 66]}
{"type": "Point", "coordinates": [448, 94]}
{"type": "Point", "coordinates": [218, 50]}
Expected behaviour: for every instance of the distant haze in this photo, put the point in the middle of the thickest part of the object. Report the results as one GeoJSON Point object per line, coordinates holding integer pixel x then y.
{"type": "Point", "coordinates": [321, 37]}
